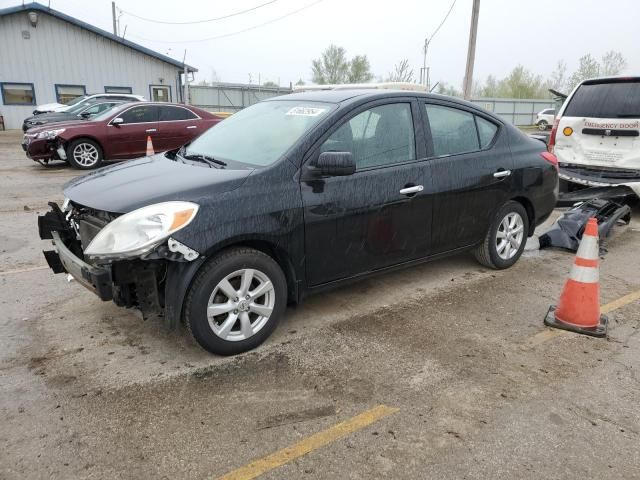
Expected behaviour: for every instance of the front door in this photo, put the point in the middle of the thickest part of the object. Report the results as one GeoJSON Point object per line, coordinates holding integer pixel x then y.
{"type": "Point", "coordinates": [160, 93]}
{"type": "Point", "coordinates": [380, 215]}
{"type": "Point", "coordinates": [129, 138]}
{"type": "Point", "coordinates": [471, 167]}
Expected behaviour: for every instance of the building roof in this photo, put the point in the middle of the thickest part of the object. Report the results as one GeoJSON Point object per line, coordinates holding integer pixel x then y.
{"type": "Point", "coordinates": [37, 7]}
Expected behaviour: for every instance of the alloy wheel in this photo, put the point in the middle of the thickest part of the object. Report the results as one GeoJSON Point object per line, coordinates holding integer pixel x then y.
{"type": "Point", "coordinates": [241, 304]}
{"type": "Point", "coordinates": [509, 236]}
{"type": "Point", "coordinates": [86, 154]}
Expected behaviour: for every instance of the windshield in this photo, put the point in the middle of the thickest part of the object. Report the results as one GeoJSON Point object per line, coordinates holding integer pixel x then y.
{"type": "Point", "coordinates": [108, 112]}
{"type": "Point", "coordinates": [619, 99]}
{"type": "Point", "coordinates": [259, 135]}
{"type": "Point", "coordinates": [78, 107]}
{"type": "Point", "coordinates": [75, 100]}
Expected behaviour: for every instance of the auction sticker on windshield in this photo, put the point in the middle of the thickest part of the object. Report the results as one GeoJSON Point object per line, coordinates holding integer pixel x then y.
{"type": "Point", "coordinates": [306, 111]}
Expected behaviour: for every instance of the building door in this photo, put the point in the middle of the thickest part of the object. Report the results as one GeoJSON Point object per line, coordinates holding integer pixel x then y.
{"type": "Point", "coordinates": [160, 93]}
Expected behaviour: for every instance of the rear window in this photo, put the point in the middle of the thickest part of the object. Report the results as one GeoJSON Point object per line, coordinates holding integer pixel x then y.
{"type": "Point", "coordinates": [606, 100]}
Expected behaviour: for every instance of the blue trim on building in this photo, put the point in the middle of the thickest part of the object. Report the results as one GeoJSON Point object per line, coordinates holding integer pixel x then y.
{"type": "Point", "coordinates": [33, 89]}
{"type": "Point", "coordinates": [160, 85]}
{"type": "Point", "coordinates": [37, 7]}
{"type": "Point", "coordinates": [56, 85]}
{"type": "Point", "coordinates": [107, 87]}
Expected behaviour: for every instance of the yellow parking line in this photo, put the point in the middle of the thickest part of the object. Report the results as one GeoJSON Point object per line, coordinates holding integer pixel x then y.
{"type": "Point", "coordinates": [548, 334]}
{"type": "Point", "coordinates": [309, 444]}
{"type": "Point", "coordinates": [23, 270]}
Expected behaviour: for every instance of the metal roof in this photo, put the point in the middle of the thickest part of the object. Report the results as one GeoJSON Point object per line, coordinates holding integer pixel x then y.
{"type": "Point", "coordinates": [37, 7]}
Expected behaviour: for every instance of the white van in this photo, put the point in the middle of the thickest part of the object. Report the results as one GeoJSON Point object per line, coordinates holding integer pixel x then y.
{"type": "Point", "coordinates": [596, 134]}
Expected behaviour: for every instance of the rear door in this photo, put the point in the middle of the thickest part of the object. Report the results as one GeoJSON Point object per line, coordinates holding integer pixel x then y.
{"type": "Point", "coordinates": [599, 125]}
{"type": "Point", "coordinates": [471, 166]}
{"type": "Point", "coordinates": [129, 139]}
{"type": "Point", "coordinates": [363, 222]}
{"type": "Point", "coordinates": [176, 126]}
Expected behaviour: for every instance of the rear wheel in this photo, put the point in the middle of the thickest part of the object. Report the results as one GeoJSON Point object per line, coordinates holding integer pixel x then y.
{"type": "Point", "coordinates": [84, 154]}
{"type": "Point", "coordinates": [506, 238]}
{"type": "Point", "coordinates": [236, 301]}
{"type": "Point", "coordinates": [543, 125]}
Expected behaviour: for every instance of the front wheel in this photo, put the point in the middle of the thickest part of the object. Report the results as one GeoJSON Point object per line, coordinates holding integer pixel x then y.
{"type": "Point", "coordinates": [84, 154]}
{"type": "Point", "coordinates": [506, 238]}
{"type": "Point", "coordinates": [236, 301]}
{"type": "Point", "coordinates": [543, 125]}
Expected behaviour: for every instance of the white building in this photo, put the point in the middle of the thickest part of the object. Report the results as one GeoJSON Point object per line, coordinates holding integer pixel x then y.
{"type": "Point", "coordinates": [47, 56]}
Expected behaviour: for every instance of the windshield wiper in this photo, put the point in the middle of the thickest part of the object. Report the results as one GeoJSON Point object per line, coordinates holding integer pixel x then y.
{"type": "Point", "coordinates": [203, 158]}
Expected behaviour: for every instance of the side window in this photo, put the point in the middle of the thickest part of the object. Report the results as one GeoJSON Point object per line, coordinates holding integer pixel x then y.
{"type": "Point", "coordinates": [168, 114]}
{"type": "Point", "coordinates": [486, 131]}
{"type": "Point", "coordinates": [379, 136]}
{"type": "Point", "coordinates": [142, 114]}
{"type": "Point", "coordinates": [452, 130]}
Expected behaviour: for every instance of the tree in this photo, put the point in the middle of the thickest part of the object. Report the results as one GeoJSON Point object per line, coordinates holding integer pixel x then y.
{"type": "Point", "coordinates": [446, 89]}
{"type": "Point", "coordinates": [558, 80]}
{"type": "Point", "coordinates": [588, 67]}
{"type": "Point", "coordinates": [401, 72]}
{"type": "Point", "coordinates": [359, 70]}
{"type": "Point", "coordinates": [300, 82]}
{"type": "Point", "coordinates": [333, 67]}
{"type": "Point", "coordinates": [269, 83]}
{"type": "Point", "coordinates": [613, 63]}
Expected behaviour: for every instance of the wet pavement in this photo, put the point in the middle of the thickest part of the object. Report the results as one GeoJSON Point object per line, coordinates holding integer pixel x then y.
{"type": "Point", "coordinates": [88, 390]}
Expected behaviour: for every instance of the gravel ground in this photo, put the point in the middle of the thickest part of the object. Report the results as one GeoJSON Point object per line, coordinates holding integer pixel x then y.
{"type": "Point", "coordinates": [88, 390]}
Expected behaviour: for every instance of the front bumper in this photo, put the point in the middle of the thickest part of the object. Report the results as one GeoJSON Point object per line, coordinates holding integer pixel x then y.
{"type": "Point", "coordinates": [40, 148]}
{"type": "Point", "coordinates": [52, 226]}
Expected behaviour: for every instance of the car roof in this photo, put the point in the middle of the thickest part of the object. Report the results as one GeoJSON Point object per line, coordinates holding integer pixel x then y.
{"type": "Point", "coordinates": [343, 95]}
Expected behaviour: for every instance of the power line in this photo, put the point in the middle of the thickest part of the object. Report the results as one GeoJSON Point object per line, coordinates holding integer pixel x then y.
{"type": "Point", "coordinates": [443, 20]}
{"type": "Point", "coordinates": [232, 33]}
{"type": "Point", "coordinates": [199, 21]}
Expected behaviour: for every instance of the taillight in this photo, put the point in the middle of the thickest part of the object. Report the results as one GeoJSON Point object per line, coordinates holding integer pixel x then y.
{"type": "Point", "coordinates": [552, 137]}
{"type": "Point", "coordinates": [551, 158]}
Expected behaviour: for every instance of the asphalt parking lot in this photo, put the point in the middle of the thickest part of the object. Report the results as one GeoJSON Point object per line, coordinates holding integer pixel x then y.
{"type": "Point", "coordinates": [441, 371]}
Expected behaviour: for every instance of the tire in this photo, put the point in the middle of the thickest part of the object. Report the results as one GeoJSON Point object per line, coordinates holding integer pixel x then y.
{"type": "Point", "coordinates": [221, 333]}
{"type": "Point", "coordinates": [84, 154]}
{"type": "Point", "coordinates": [489, 252]}
{"type": "Point", "coordinates": [543, 125]}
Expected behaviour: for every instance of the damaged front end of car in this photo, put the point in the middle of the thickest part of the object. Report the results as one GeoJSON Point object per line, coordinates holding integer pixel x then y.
{"type": "Point", "coordinates": [128, 258]}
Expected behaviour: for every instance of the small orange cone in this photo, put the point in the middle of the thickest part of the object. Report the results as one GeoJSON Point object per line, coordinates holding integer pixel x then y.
{"type": "Point", "coordinates": [578, 309]}
{"type": "Point", "coordinates": [150, 146]}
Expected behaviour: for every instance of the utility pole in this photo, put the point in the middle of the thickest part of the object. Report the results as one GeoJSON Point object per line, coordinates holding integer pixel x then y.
{"type": "Point", "coordinates": [113, 14]}
{"type": "Point", "coordinates": [186, 79]}
{"type": "Point", "coordinates": [471, 52]}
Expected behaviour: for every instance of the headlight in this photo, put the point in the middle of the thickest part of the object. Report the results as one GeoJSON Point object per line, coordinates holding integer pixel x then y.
{"type": "Point", "coordinates": [50, 134]}
{"type": "Point", "coordinates": [137, 232]}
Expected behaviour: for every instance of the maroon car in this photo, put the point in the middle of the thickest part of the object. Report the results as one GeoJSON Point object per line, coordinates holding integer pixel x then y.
{"type": "Point", "coordinates": [118, 134]}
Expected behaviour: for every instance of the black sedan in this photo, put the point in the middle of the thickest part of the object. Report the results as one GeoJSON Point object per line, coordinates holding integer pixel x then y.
{"type": "Point", "coordinates": [75, 113]}
{"type": "Point", "coordinates": [297, 194]}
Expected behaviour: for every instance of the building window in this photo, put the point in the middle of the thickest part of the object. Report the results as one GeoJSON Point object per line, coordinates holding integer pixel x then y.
{"type": "Point", "coordinates": [18, 93]}
{"type": "Point", "coordinates": [66, 93]}
{"type": "Point", "coordinates": [118, 90]}
{"type": "Point", "coordinates": [160, 93]}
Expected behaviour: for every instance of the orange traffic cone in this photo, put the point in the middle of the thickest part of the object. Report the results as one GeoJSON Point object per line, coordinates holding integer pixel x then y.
{"type": "Point", "coordinates": [150, 146]}
{"type": "Point", "coordinates": [579, 307]}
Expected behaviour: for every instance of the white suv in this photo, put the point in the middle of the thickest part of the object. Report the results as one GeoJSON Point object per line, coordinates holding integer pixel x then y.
{"type": "Point", "coordinates": [596, 135]}
{"type": "Point", "coordinates": [59, 107]}
{"type": "Point", "coordinates": [545, 118]}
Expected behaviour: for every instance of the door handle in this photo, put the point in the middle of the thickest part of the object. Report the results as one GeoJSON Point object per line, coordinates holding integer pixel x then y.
{"type": "Point", "coordinates": [411, 190]}
{"type": "Point", "coordinates": [150, 130]}
{"type": "Point", "coordinates": [502, 173]}
{"type": "Point", "coordinates": [192, 126]}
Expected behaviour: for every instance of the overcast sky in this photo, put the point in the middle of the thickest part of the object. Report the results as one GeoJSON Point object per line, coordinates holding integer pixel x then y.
{"type": "Point", "coordinates": [534, 34]}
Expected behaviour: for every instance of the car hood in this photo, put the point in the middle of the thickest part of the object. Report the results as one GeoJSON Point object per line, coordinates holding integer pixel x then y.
{"type": "Point", "coordinates": [69, 124]}
{"type": "Point", "coordinates": [134, 184]}
{"type": "Point", "coordinates": [52, 117]}
{"type": "Point", "coordinates": [48, 107]}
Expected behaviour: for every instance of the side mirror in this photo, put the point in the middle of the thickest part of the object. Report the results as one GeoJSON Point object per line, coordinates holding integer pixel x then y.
{"type": "Point", "coordinates": [116, 122]}
{"type": "Point", "coordinates": [336, 164]}
{"type": "Point", "coordinates": [85, 114]}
